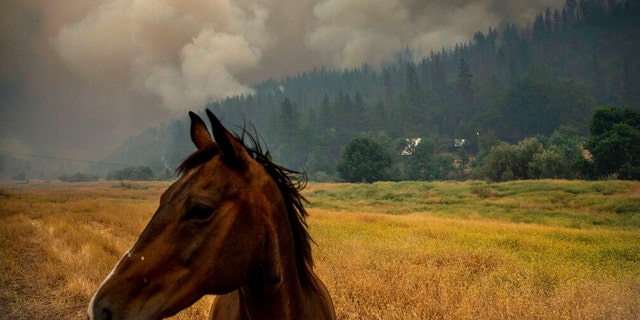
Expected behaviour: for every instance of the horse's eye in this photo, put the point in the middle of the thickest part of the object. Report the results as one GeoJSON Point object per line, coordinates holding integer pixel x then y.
{"type": "Point", "coordinates": [199, 212]}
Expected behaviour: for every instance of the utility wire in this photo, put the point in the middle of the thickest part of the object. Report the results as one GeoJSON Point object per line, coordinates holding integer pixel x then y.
{"type": "Point", "coordinates": [72, 147]}
{"type": "Point", "coordinates": [74, 160]}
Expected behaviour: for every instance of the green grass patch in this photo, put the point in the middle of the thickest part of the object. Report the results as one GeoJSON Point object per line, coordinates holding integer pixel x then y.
{"type": "Point", "coordinates": [571, 204]}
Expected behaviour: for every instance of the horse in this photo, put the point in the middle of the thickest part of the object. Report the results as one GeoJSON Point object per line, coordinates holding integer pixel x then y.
{"type": "Point", "coordinates": [232, 225]}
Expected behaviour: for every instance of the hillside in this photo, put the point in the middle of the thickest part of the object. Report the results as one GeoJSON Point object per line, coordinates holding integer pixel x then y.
{"type": "Point", "coordinates": [506, 85]}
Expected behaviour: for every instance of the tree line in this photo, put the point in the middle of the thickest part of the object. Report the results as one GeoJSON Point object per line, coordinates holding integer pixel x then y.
{"type": "Point", "coordinates": [611, 149]}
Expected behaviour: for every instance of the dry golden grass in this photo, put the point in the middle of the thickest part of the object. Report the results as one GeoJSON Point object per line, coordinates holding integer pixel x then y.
{"type": "Point", "coordinates": [417, 267]}
{"type": "Point", "coordinates": [58, 241]}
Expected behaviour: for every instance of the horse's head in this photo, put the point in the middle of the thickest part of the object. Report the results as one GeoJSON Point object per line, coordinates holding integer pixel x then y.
{"type": "Point", "coordinates": [208, 235]}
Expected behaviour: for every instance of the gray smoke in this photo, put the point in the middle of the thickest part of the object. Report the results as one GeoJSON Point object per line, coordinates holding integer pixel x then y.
{"type": "Point", "coordinates": [92, 72]}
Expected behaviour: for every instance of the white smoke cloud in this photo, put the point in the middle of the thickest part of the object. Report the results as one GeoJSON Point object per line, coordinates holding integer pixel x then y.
{"type": "Point", "coordinates": [97, 47]}
{"type": "Point", "coordinates": [207, 69]}
{"type": "Point", "coordinates": [187, 53]}
{"type": "Point", "coordinates": [347, 31]}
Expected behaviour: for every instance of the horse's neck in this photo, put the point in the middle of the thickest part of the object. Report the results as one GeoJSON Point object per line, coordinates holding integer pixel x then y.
{"type": "Point", "coordinates": [275, 292]}
{"type": "Point", "coordinates": [307, 302]}
{"type": "Point", "coordinates": [273, 301]}
{"type": "Point", "coordinates": [275, 288]}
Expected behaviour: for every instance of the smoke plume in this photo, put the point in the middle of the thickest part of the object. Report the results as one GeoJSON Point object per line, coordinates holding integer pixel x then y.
{"type": "Point", "coordinates": [76, 72]}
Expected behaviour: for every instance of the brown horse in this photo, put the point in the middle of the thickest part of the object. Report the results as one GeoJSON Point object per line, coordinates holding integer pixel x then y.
{"type": "Point", "coordinates": [232, 225]}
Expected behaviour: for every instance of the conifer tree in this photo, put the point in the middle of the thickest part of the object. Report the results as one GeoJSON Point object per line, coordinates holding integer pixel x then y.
{"type": "Point", "coordinates": [465, 91]}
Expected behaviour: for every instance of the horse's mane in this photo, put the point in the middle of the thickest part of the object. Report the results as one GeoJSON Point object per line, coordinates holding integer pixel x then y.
{"type": "Point", "coordinates": [289, 182]}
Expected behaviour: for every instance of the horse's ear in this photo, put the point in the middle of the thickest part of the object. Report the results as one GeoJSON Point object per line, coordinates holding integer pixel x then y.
{"type": "Point", "coordinates": [231, 149]}
{"type": "Point", "coordinates": [199, 133]}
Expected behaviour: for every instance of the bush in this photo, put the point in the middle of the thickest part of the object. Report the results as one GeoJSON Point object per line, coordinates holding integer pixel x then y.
{"type": "Point", "coordinates": [529, 159]}
{"type": "Point", "coordinates": [483, 192]}
{"type": "Point", "coordinates": [613, 143]}
{"type": "Point", "coordinates": [78, 177]}
{"type": "Point", "coordinates": [20, 177]}
{"type": "Point", "coordinates": [425, 163]}
{"type": "Point", "coordinates": [364, 160]}
{"type": "Point", "coordinates": [142, 173]}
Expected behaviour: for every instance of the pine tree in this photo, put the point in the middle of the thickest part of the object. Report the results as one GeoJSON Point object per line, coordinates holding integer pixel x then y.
{"type": "Point", "coordinates": [628, 94]}
{"type": "Point", "coordinates": [438, 75]}
{"type": "Point", "coordinates": [465, 91]}
{"type": "Point", "coordinates": [572, 8]}
{"type": "Point", "coordinates": [326, 118]}
{"type": "Point", "coordinates": [288, 120]}
{"type": "Point", "coordinates": [597, 79]}
{"type": "Point", "coordinates": [538, 28]}
{"type": "Point", "coordinates": [387, 87]}
{"type": "Point", "coordinates": [379, 116]}
{"type": "Point", "coordinates": [413, 91]}
{"type": "Point", "coordinates": [359, 117]}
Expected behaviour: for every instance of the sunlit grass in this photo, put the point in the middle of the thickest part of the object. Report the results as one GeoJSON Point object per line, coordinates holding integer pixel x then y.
{"type": "Point", "coordinates": [573, 204]}
{"type": "Point", "coordinates": [415, 266]}
{"type": "Point", "coordinates": [409, 250]}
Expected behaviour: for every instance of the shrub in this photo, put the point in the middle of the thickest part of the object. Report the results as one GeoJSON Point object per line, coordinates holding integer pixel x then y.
{"type": "Point", "coordinates": [143, 173]}
{"type": "Point", "coordinates": [78, 177]}
{"type": "Point", "coordinates": [20, 177]}
{"type": "Point", "coordinates": [364, 160]}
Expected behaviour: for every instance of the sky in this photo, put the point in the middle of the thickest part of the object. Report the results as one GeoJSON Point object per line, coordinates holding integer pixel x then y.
{"type": "Point", "coordinates": [77, 77]}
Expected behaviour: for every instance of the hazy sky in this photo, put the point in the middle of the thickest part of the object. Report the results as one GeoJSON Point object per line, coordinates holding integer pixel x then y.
{"type": "Point", "coordinates": [79, 76]}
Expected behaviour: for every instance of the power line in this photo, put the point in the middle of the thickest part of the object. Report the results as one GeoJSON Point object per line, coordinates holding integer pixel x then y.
{"type": "Point", "coordinates": [72, 147]}
{"type": "Point", "coordinates": [74, 160]}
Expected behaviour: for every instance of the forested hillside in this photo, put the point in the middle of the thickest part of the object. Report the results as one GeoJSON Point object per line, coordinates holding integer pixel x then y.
{"type": "Point", "coordinates": [509, 84]}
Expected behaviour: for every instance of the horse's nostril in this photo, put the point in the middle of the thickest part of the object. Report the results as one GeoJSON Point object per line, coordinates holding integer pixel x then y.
{"type": "Point", "coordinates": [101, 314]}
{"type": "Point", "coordinates": [105, 314]}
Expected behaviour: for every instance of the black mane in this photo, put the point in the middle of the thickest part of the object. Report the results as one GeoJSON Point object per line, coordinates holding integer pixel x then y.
{"type": "Point", "coordinates": [289, 182]}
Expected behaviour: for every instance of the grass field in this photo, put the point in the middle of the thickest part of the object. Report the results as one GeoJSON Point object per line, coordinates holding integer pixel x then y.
{"type": "Point", "coordinates": [407, 250]}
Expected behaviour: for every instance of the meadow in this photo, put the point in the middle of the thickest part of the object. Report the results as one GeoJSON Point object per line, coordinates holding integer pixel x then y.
{"type": "Point", "coordinates": [545, 249]}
